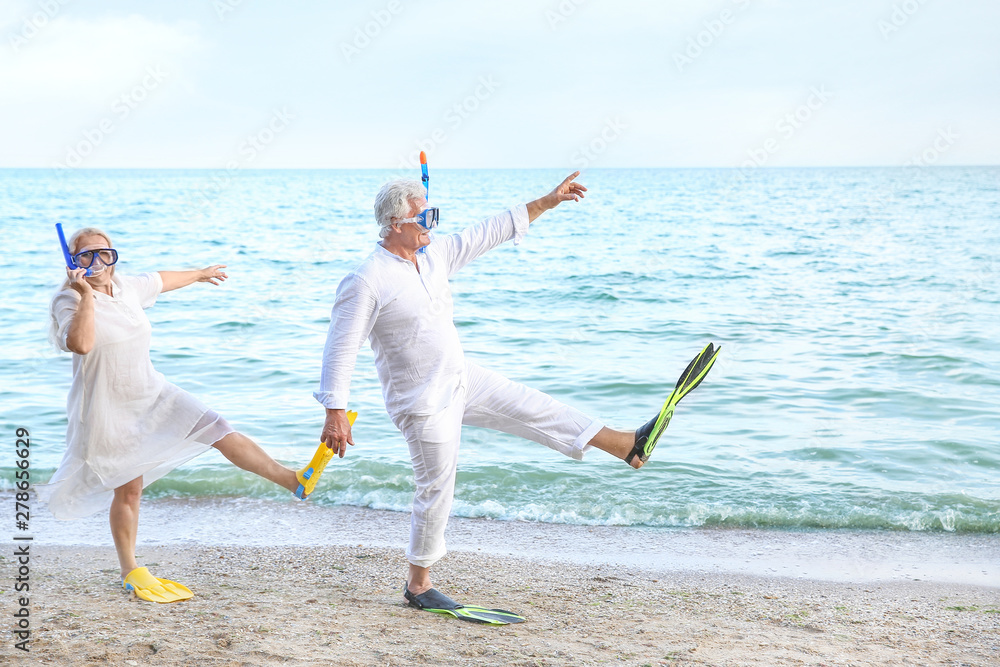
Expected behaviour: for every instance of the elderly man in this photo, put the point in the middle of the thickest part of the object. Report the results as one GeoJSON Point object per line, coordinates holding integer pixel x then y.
{"type": "Point", "coordinates": [399, 298]}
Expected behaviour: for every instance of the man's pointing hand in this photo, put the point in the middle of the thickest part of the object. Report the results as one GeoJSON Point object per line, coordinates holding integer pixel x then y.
{"type": "Point", "coordinates": [565, 191]}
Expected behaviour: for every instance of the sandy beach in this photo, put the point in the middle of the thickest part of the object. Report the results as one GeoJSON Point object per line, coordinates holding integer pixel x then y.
{"type": "Point", "coordinates": [340, 604]}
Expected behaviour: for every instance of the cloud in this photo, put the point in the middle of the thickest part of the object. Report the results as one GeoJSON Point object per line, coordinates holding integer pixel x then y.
{"type": "Point", "coordinates": [63, 76]}
{"type": "Point", "coordinates": [558, 84]}
{"type": "Point", "coordinates": [75, 60]}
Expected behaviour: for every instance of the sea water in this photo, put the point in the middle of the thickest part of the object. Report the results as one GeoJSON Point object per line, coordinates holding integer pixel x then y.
{"type": "Point", "coordinates": [857, 309]}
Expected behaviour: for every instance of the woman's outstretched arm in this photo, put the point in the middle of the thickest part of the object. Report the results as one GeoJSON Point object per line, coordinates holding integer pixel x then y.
{"type": "Point", "coordinates": [176, 279]}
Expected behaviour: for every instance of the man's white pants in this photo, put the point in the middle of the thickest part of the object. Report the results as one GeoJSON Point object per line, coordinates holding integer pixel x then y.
{"type": "Point", "coordinates": [489, 400]}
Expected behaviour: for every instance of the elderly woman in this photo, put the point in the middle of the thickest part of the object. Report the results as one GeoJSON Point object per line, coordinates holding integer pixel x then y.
{"type": "Point", "coordinates": [399, 298]}
{"type": "Point", "coordinates": [128, 426]}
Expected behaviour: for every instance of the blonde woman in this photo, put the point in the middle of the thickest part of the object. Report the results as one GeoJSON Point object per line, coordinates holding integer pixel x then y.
{"type": "Point", "coordinates": [128, 426]}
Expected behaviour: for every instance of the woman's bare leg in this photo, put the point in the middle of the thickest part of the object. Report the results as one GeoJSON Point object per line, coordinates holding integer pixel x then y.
{"type": "Point", "coordinates": [247, 454]}
{"type": "Point", "coordinates": [124, 519]}
{"type": "Point", "coordinates": [616, 443]}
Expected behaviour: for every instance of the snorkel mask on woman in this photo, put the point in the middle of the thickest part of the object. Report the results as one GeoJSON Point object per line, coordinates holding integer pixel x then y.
{"type": "Point", "coordinates": [96, 260]}
{"type": "Point", "coordinates": [87, 259]}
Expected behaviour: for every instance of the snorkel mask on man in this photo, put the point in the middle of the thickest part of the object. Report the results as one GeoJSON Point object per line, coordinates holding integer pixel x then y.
{"type": "Point", "coordinates": [429, 217]}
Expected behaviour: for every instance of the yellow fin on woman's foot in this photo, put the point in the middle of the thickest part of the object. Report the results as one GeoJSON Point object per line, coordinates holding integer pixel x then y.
{"type": "Point", "coordinates": [309, 476]}
{"type": "Point", "coordinates": [149, 588]}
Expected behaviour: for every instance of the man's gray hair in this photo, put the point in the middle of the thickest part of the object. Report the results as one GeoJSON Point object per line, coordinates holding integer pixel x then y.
{"type": "Point", "coordinates": [393, 201]}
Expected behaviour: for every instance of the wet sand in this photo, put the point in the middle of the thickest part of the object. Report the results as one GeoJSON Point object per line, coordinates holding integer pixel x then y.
{"type": "Point", "coordinates": [839, 598]}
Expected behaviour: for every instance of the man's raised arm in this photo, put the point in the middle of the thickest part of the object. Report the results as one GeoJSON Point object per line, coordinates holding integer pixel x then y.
{"type": "Point", "coordinates": [474, 241]}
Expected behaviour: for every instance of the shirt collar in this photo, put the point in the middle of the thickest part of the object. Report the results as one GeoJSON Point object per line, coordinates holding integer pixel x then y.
{"type": "Point", "coordinates": [380, 249]}
{"type": "Point", "coordinates": [116, 291]}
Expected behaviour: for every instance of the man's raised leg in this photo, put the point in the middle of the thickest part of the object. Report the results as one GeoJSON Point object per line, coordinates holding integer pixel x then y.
{"type": "Point", "coordinates": [501, 404]}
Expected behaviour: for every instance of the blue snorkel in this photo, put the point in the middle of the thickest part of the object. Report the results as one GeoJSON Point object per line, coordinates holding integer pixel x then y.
{"type": "Point", "coordinates": [433, 212]}
{"type": "Point", "coordinates": [65, 248]}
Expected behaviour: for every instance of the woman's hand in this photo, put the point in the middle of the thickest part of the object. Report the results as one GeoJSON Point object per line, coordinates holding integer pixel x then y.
{"type": "Point", "coordinates": [80, 336]}
{"type": "Point", "coordinates": [177, 279]}
{"type": "Point", "coordinates": [212, 274]}
{"type": "Point", "coordinates": [78, 281]}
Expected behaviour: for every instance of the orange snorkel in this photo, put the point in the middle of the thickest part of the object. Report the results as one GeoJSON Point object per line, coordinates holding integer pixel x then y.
{"type": "Point", "coordinates": [423, 174]}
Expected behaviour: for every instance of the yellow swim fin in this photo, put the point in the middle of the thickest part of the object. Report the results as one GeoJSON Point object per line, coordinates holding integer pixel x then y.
{"type": "Point", "coordinates": [149, 588]}
{"type": "Point", "coordinates": [309, 476]}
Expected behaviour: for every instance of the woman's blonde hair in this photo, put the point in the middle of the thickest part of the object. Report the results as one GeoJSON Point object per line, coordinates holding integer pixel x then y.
{"type": "Point", "coordinates": [74, 240]}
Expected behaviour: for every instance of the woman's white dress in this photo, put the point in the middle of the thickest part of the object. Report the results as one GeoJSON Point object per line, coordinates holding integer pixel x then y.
{"type": "Point", "coordinates": [125, 419]}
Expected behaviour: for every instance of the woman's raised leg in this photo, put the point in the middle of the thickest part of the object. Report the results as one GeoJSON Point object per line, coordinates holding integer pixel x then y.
{"type": "Point", "coordinates": [248, 455]}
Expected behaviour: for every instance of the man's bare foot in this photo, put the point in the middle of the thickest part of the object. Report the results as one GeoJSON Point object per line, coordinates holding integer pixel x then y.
{"type": "Point", "coordinates": [617, 443]}
{"type": "Point", "coordinates": [419, 580]}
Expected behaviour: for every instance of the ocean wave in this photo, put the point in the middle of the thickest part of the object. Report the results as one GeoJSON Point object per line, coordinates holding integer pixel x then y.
{"type": "Point", "coordinates": [533, 494]}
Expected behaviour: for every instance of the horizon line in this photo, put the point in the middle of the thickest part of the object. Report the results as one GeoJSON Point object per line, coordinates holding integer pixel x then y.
{"type": "Point", "coordinates": [728, 167]}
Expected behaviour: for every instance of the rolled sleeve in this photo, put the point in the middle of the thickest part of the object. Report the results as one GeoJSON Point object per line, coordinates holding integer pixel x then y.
{"type": "Point", "coordinates": [351, 322]}
{"type": "Point", "coordinates": [63, 309]}
{"type": "Point", "coordinates": [330, 401]}
{"type": "Point", "coordinates": [519, 215]}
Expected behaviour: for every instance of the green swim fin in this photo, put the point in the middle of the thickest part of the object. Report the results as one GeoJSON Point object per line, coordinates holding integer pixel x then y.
{"type": "Point", "coordinates": [488, 616]}
{"type": "Point", "coordinates": [436, 602]}
{"type": "Point", "coordinates": [647, 436]}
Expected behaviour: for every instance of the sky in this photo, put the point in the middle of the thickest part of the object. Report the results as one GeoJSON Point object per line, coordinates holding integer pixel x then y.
{"type": "Point", "coordinates": [507, 84]}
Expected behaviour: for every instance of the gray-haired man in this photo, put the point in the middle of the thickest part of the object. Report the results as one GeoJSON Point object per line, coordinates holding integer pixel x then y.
{"type": "Point", "coordinates": [399, 298]}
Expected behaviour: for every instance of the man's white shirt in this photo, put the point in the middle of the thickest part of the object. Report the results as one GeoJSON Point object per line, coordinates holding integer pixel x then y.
{"type": "Point", "coordinates": [408, 317]}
